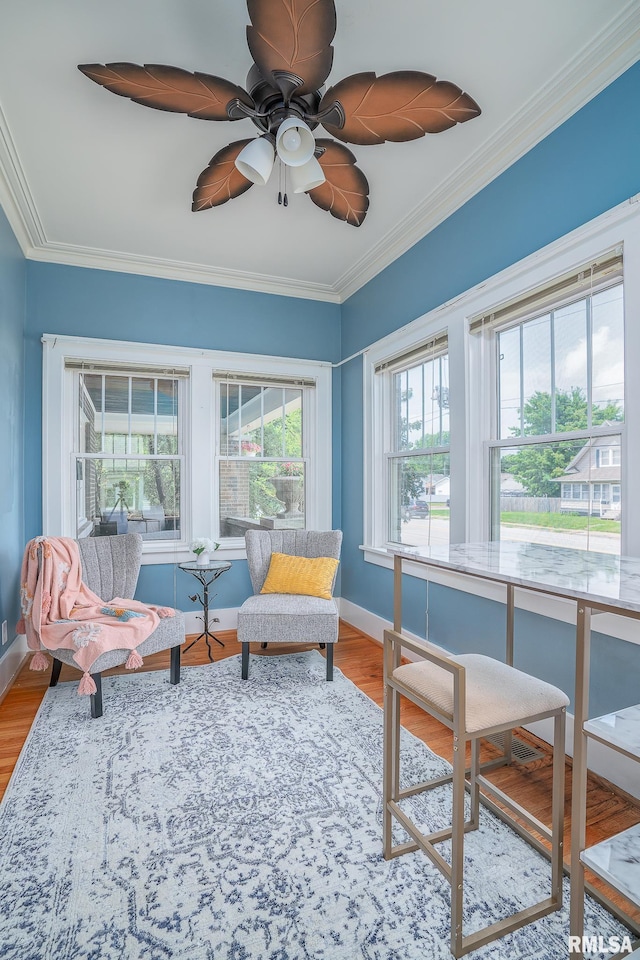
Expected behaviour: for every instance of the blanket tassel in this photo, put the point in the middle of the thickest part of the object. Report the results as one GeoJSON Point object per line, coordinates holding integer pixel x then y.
{"type": "Point", "coordinates": [87, 685]}
{"type": "Point", "coordinates": [134, 661]}
{"type": "Point", "coordinates": [39, 661]}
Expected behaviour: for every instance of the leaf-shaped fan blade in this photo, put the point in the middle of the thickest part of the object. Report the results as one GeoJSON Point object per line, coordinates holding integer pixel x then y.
{"type": "Point", "coordinates": [221, 181]}
{"type": "Point", "coordinates": [168, 88]}
{"type": "Point", "coordinates": [345, 192]}
{"type": "Point", "coordinates": [292, 39]}
{"type": "Point", "coordinates": [397, 106]}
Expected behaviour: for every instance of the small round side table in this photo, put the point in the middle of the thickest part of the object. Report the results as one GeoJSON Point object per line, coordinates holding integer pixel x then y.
{"type": "Point", "coordinates": [206, 574]}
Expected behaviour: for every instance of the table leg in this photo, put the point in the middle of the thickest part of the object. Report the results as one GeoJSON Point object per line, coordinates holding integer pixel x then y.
{"type": "Point", "coordinates": [511, 609]}
{"type": "Point", "coordinates": [397, 593]}
{"type": "Point", "coordinates": [579, 775]}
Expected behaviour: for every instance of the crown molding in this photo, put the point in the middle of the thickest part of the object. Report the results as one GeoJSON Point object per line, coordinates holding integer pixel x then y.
{"type": "Point", "coordinates": [590, 71]}
{"type": "Point", "coordinates": [587, 74]}
{"type": "Point", "coordinates": [177, 270]}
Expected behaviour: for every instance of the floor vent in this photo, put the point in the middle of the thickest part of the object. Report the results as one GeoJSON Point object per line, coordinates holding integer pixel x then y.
{"type": "Point", "coordinates": [520, 751]}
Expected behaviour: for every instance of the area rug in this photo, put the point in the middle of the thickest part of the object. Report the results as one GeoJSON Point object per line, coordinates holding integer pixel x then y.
{"type": "Point", "coordinates": [230, 820]}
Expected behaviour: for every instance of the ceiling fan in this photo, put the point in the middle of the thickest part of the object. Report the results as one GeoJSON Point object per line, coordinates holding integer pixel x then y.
{"type": "Point", "coordinates": [290, 42]}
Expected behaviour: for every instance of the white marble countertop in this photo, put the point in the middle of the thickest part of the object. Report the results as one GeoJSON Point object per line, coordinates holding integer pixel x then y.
{"type": "Point", "coordinates": [598, 578]}
{"type": "Point", "coordinates": [620, 729]}
{"type": "Point", "coordinates": [617, 861]}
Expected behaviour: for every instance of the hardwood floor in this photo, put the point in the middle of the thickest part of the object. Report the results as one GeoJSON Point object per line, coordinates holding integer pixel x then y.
{"type": "Point", "coordinates": [360, 659]}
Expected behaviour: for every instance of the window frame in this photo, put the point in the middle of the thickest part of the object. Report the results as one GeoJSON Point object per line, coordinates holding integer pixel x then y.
{"type": "Point", "coordinates": [472, 407]}
{"type": "Point", "coordinates": [199, 430]}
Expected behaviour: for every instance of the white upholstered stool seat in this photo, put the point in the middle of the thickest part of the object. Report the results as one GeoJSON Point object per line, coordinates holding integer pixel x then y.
{"type": "Point", "coordinates": [475, 696]}
{"type": "Point", "coordinates": [496, 694]}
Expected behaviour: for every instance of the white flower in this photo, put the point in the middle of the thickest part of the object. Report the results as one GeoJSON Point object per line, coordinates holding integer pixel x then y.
{"type": "Point", "coordinates": [201, 544]}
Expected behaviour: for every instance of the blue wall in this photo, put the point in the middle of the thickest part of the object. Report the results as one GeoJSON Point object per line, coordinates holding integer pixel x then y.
{"type": "Point", "coordinates": [120, 306]}
{"type": "Point", "coordinates": [12, 320]}
{"type": "Point", "coordinates": [584, 168]}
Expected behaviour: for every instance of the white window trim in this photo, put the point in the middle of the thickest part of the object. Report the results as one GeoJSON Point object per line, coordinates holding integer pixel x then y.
{"type": "Point", "coordinates": [200, 430]}
{"type": "Point", "coordinates": [472, 406]}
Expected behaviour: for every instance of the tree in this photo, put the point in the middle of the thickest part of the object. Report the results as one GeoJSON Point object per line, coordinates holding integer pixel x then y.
{"type": "Point", "coordinates": [536, 467]}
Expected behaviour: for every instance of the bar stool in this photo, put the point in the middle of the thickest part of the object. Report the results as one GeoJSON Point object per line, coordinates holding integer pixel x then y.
{"type": "Point", "coordinates": [475, 696]}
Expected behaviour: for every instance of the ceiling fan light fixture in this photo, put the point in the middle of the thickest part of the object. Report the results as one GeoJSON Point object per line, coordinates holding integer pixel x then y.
{"type": "Point", "coordinates": [295, 143]}
{"type": "Point", "coordinates": [306, 177]}
{"type": "Point", "coordinates": [255, 161]}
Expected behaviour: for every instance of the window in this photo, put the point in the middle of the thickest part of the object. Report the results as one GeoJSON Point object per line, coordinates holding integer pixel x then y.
{"type": "Point", "coordinates": [176, 443]}
{"type": "Point", "coordinates": [128, 454]}
{"type": "Point", "coordinates": [261, 464]}
{"type": "Point", "coordinates": [417, 480]}
{"type": "Point", "coordinates": [559, 410]}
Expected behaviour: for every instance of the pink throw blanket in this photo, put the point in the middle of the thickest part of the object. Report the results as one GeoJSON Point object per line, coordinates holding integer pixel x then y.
{"type": "Point", "coordinates": [60, 611]}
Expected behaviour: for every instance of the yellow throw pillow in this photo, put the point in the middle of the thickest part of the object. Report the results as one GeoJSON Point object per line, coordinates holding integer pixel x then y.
{"type": "Point", "coordinates": [312, 576]}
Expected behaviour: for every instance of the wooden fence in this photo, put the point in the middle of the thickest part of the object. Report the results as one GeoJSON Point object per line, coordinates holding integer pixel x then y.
{"type": "Point", "coordinates": [530, 504]}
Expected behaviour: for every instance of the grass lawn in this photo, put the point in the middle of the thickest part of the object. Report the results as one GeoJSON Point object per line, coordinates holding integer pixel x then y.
{"type": "Point", "coordinates": [561, 521]}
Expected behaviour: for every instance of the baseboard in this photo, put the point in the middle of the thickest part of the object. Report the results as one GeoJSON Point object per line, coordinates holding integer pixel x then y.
{"type": "Point", "coordinates": [609, 764]}
{"type": "Point", "coordinates": [11, 662]}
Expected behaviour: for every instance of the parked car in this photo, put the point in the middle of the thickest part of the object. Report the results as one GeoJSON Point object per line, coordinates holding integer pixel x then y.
{"type": "Point", "coordinates": [419, 508]}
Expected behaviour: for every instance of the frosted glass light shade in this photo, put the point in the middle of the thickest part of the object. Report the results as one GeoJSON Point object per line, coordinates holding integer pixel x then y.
{"type": "Point", "coordinates": [304, 151]}
{"type": "Point", "coordinates": [255, 161]}
{"type": "Point", "coordinates": [306, 177]}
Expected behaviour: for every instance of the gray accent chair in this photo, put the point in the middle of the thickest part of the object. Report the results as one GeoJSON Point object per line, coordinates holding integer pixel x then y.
{"type": "Point", "coordinates": [110, 567]}
{"type": "Point", "coordinates": [284, 617]}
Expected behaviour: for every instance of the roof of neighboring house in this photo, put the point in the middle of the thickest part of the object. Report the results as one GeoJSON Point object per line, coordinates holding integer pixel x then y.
{"type": "Point", "coordinates": [595, 475]}
{"type": "Point", "coordinates": [593, 442]}
{"type": "Point", "coordinates": [509, 482]}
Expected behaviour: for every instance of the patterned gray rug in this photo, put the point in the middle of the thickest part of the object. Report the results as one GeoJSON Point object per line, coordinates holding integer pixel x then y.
{"type": "Point", "coordinates": [222, 820]}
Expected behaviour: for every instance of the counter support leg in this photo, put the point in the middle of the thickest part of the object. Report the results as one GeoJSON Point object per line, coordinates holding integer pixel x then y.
{"type": "Point", "coordinates": [579, 776]}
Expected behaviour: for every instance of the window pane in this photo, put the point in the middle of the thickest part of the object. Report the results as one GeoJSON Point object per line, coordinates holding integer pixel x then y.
{"type": "Point", "coordinates": [421, 396]}
{"type": "Point", "coordinates": [89, 413]}
{"type": "Point", "coordinates": [143, 421]}
{"type": "Point", "coordinates": [128, 496]}
{"type": "Point", "coordinates": [120, 414]}
{"type": "Point", "coordinates": [259, 494]}
{"type": "Point", "coordinates": [554, 493]}
{"type": "Point", "coordinates": [509, 382]}
{"type": "Point", "coordinates": [536, 374]}
{"type": "Point", "coordinates": [260, 421]}
{"type": "Point", "coordinates": [608, 355]}
{"type": "Point", "coordinates": [167, 416]}
{"type": "Point", "coordinates": [570, 342]}
{"type": "Point", "coordinates": [419, 500]}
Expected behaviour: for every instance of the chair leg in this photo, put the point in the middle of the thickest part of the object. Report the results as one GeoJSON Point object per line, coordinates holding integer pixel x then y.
{"type": "Point", "coordinates": [55, 672]}
{"type": "Point", "coordinates": [96, 698]}
{"type": "Point", "coordinates": [389, 766]}
{"type": "Point", "coordinates": [457, 846]}
{"type": "Point", "coordinates": [174, 669]}
{"type": "Point", "coordinates": [474, 786]}
{"type": "Point", "coordinates": [330, 661]}
{"type": "Point", "coordinates": [245, 661]}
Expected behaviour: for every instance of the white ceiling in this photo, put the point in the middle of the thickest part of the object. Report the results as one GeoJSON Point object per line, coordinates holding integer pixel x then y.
{"type": "Point", "coordinates": [90, 178]}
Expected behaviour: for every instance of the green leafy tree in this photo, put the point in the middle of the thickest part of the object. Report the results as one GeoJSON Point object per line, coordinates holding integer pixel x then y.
{"type": "Point", "coordinates": [279, 437]}
{"type": "Point", "coordinates": [537, 467]}
{"type": "Point", "coordinates": [415, 471]}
